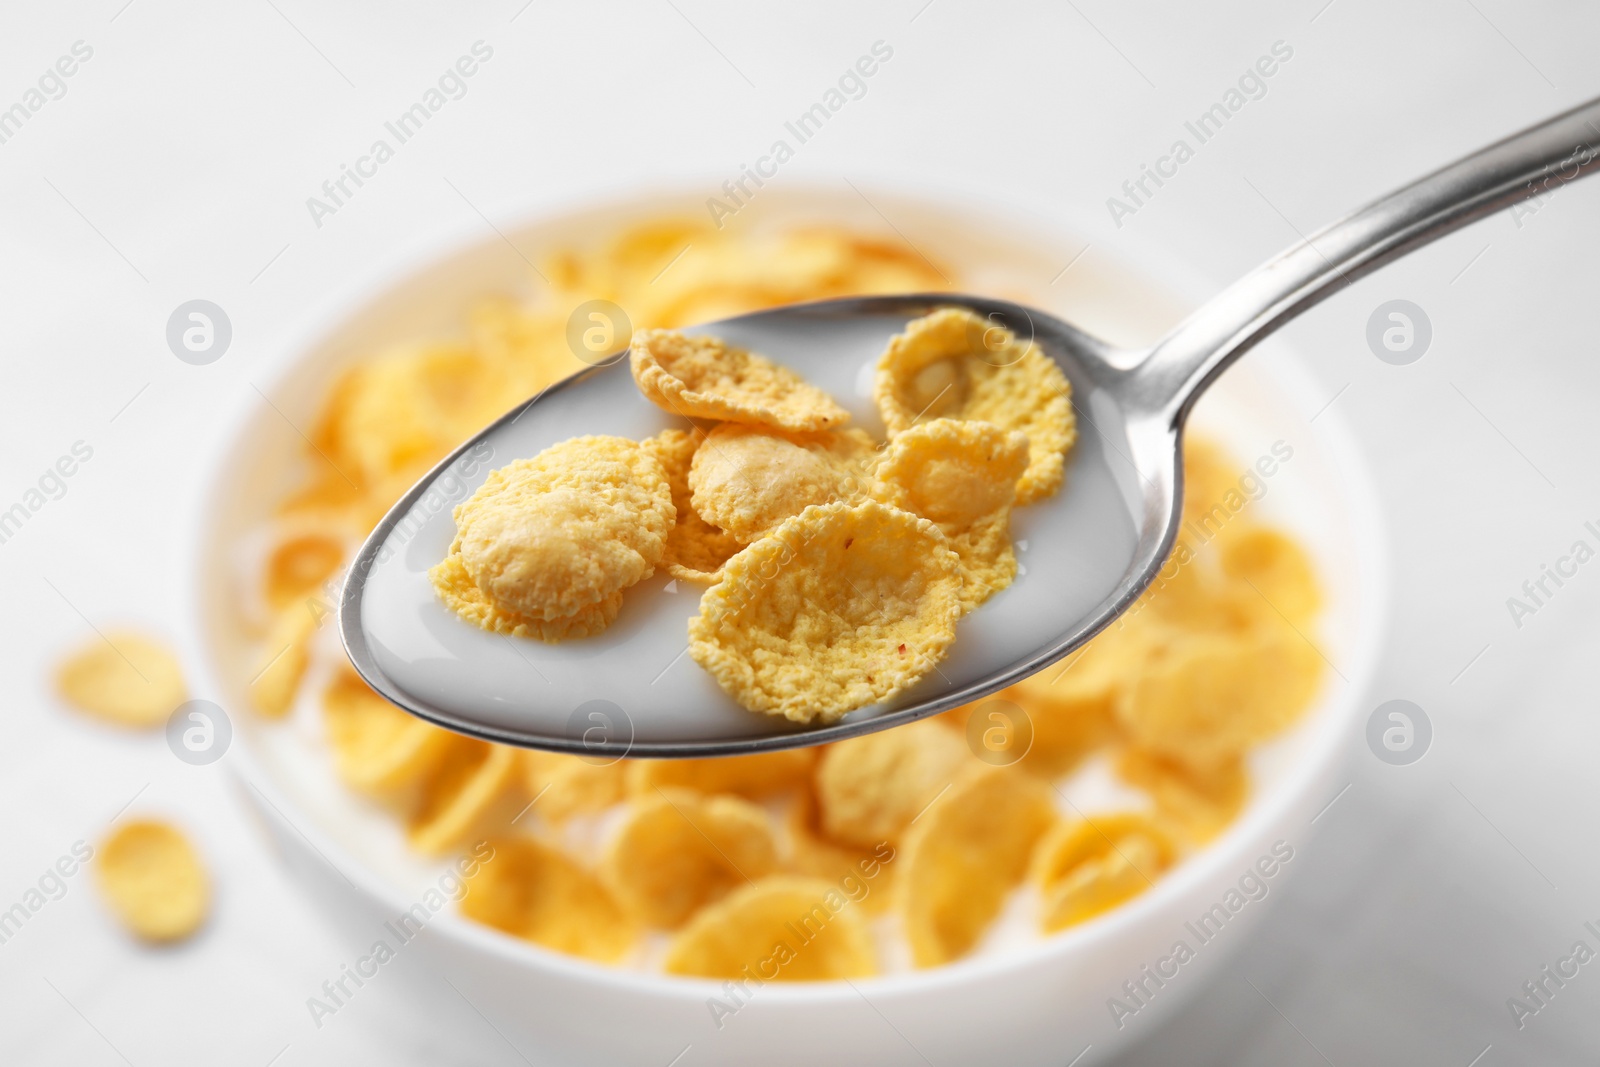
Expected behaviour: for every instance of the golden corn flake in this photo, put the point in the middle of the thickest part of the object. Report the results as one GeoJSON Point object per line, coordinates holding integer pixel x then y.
{"type": "Point", "coordinates": [401, 413]}
{"type": "Point", "coordinates": [780, 929]}
{"type": "Point", "coordinates": [283, 659]}
{"type": "Point", "coordinates": [550, 536]}
{"type": "Point", "coordinates": [759, 775]}
{"type": "Point", "coordinates": [1089, 866]}
{"type": "Point", "coordinates": [474, 791]}
{"type": "Point", "coordinates": [1199, 802]}
{"type": "Point", "coordinates": [963, 477]}
{"type": "Point", "coordinates": [301, 561]}
{"type": "Point", "coordinates": [964, 855]}
{"type": "Point", "coordinates": [152, 878]}
{"type": "Point", "coordinates": [870, 788]}
{"type": "Point", "coordinates": [838, 608]}
{"type": "Point", "coordinates": [696, 550]}
{"type": "Point", "coordinates": [1211, 696]}
{"type": "Point", "coordinates": [1272, 565]}
{"type": "Point", "coordinates": [705, 378]}
{"type": "Point", "coordinates": [679, 850]}
{"type": "Point", "coordinates": [811, 852]}
{"type": "Point", "coordinates": [1071, 705]}
{"type": "Point", "coordinates": [1209, 475]}
{"type": "Point", "coordinates": [461, 595]}
{"type": "Point", "coordinates": [124, 677]}
{"type": "Point", "coordinates": [561, 785]}
{"type": "Point", "coordinates": [953, 364]}
{"type": "Point", "coordinates": [377, 748]}
{"type": "Point", "coordinates": [534, 890]}
{"type": "Point", "coordinates": [747, 479]}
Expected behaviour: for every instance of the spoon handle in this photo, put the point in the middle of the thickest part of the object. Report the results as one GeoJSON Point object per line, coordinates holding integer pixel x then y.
{"type": "Point", "coordinates": [1539, 159]}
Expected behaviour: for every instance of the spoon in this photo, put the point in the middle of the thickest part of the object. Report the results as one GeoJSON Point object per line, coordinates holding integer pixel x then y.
{"type": "Point", "coordinates": [1092, 549]}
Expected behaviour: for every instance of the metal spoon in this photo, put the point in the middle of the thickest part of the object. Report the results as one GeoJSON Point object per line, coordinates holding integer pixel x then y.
{"type": "Point", "coordinates": [633, 690]}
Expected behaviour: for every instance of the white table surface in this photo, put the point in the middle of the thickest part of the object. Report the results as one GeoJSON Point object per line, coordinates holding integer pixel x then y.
{"type": "Point", "coordinates": [178, 163]}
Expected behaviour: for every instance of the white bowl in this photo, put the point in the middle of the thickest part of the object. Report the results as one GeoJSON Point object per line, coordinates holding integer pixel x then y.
{"type": "Point", "coordinates": [1041, 1000]}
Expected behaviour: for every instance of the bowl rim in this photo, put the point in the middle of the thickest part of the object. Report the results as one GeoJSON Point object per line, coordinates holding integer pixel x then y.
{"type": "Point", "coordinates": [1327, 741]}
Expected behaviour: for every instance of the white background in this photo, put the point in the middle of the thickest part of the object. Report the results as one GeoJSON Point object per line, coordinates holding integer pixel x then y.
{"type": "Point", "coordinates": [178, 164]}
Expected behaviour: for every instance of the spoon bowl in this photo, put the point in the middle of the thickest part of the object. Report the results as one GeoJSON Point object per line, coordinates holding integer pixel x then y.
{"type": "Point", "coordinates": [633, 689]}
{"type": "Point", "coordinates": [1086, 554]}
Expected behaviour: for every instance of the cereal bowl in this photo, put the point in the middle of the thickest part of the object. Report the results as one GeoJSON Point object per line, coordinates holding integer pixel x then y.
{"type": "Point", "coordinates": [1089, 991]}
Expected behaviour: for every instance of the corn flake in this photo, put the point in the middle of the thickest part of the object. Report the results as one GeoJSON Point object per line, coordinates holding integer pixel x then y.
{"type": "Point", "coordinates": [1272, 565]}
{"type": "Point", "coordinates": [401, 413]}
{"type": "Point", "coordinates": [703, 377]}
{"type": "Point", "coordinates": [474, 791]}
{"type": "Point", "coordinates": [839, 607]}
{"type": "Point", "coordinates": [534, 890]}
{"type": "Point", "coordinates": [562, 786]}
{"type": "Point", "coordinates": [550, 536]}
{"type": "Point", "coordinates": [963, 857]}
{"type": "Point", "coordinates": [962, 475]}
{"type": "Point", "coordinates": [301, 561]}
{"type": "Point", "coordinates": [1089, 866]}
{"type": "Point", "coordinates": [870, 788]}
{"type": "Point", "coordinates": [782, 928]}
{"type": "Point", "coordinates": [679, 850]}
{"type": "Point", "coordinates": [953, 364]}
{"type": "Point", "coordinates": [125, 678]}
{"type": "Point", "coordinates": [696, 550]}
{"type": "Point", "coordinates": [461, 595]}
{"type": "Point", "coordinates": [746, 480]}
{"type": "Point", "coordinates": [379, 749]}
{"type": "Point", "coordinates": [284, 658]}
{"type": "Point", "coordinates": [811, 852]}
{"type": "Point", "coordinates": [1211, 696]}
{"type": "Point", "coordinates": [1198, 802]}
{"type": "Point", "coordinates": [153, 880]}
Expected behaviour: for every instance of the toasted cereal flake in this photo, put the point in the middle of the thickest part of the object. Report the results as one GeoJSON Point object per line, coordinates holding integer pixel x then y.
{"type": "Point", "coordinates": [1274, 566]}
{"type": "Point", "coordinates": [398, 414]}
{"type": "Point", "coordinates": [283, 659]}
{"type": "Point", "coordinates": [475, 790]}
{"type": "Point", "coordinates": [301, 560]}
{"type": "Point", "coordinates": [124, 677]}
{"type": "Point", "coordinates": [1211, 495]}
{"type": "Point", "coordinates": [782, 929]}
{"type": "Point", "coordinates": [1071, 705]}
{"type": "Point", "coordinates": [1210, 696]}
{"type": "Point", "coordinates": [379, 749]}
{"type": "Point", "coordinates": [1098, 885]}
{"type": "Point", "coordinates": [1074, 841]}
{"type": "Point", "coordinates": [953, 364]}
{"type": "Point", "coordinates": [534, 890]}
{"type": "Point", "coordinates": [696, 550]}
{"type": "Point", "coordinates": [840, 607]}
{"type": "Point", "coordinates": [561, 786]}
{"type": "Point", "coordinates": [679, 850]}
{"type": "Point", "coordinates": [1197, 802]}
{"type": "Point", "coordinates": [152, 878]}
{"type": "Point", "coordinates": [1087, 866]}
{"type": "Point", "coordinates": [550, 536]}
{"type": "Point", "coordinates": [748, 479]}
{"type": "Point", "coordinates": [867, 872]}
{"type": "Point", "coordinates": [706, 378]}
{"type": "Point", "coordinates": [760, 775]}
{"type": "Point", "coordinates": [462, 596]}
{"type": "Point", "coordinates": [964, 855]}
{"type": "Point", "coordinates": [869, 788]}
{"type": "Point", "coordinates": [962, 475]}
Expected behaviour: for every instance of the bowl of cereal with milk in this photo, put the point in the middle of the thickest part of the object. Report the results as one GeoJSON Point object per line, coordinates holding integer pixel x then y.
{"type": "Point", "coordinates": [1048, 871]}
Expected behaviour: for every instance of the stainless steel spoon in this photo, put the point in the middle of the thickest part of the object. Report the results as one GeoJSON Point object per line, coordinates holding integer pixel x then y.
{"type": "Point", "coordinates": [633, 690]}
